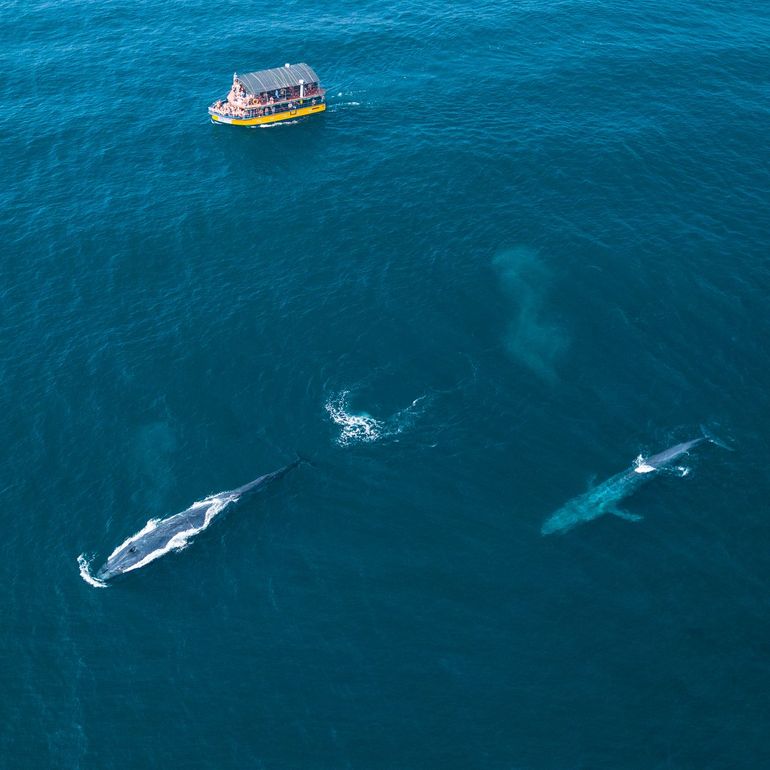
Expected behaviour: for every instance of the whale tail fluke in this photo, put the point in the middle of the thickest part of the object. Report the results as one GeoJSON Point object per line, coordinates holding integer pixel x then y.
{"type": "Point", "coordinates": [709, 436]}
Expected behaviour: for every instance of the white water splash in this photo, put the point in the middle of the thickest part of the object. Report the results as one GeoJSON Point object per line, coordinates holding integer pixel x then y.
{"type": "Point", "coordinates": [361, 427]}
{"type": "Point", "coordinates": [85, 573]}
{"type": "Point", "coordinates": [641, 466]}
{"type": "Point", "coordinates": [355, 428]}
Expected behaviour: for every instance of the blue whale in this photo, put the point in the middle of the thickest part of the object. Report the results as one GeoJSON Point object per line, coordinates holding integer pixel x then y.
{"type": "Point", "coordinates": [604, 499]}
{"type": "Point", "coordinates": [161, 536]}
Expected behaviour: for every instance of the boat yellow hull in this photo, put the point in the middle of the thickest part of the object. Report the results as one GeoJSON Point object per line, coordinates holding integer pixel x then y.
{"type": "Point", "coordinates": [278, 117]}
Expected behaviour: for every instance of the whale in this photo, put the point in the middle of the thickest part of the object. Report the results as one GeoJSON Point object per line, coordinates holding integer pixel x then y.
{"type": "Point", "coordinates": [605, 498]}
{"type": "Point", "coordinates": [161, 536]}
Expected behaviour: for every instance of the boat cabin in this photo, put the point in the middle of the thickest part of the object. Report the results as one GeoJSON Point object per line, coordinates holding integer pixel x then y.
{"type": "Point", "coordinates": [270, 96]}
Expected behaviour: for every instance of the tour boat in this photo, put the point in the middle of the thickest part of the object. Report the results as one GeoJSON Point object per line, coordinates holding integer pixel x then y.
{"type": "Point", "coordinates": [270, 96]}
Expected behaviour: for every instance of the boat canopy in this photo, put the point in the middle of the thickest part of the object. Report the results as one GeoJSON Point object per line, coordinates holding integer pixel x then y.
{"type": "Point", "coordinates": [280, 77]}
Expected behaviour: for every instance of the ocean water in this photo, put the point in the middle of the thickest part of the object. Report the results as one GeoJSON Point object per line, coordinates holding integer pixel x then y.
{"type": "Point", "coordinates": [527, 243]}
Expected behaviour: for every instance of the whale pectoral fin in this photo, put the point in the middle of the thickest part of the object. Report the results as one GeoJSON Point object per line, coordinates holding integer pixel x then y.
{"type": "Point", "coordinates": [621, 514]}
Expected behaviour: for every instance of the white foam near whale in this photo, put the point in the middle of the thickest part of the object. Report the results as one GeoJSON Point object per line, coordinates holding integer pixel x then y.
{"type": "Point", "coordinates": [148, 527]}
{"type": "Point", "coordinates": [361, 427]}
{"type": "Point", "coordinates": [177, 543]}
{"type": "Point", "coordinates": [642, 466]}
{"type": "Point", "coordinates": [354, 428]}
{"type": "Point", "coordinates": [85, 573]}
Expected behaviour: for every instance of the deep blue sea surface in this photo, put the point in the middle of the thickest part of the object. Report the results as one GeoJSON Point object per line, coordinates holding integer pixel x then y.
{"type": "Point", "coordinates": [528, 242]}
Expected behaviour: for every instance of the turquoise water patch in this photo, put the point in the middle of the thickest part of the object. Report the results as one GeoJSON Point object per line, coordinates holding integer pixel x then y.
{"type": "Point", "coordinates": [152, 464]}
{"type": "Point", "coordinates": [533, 337]}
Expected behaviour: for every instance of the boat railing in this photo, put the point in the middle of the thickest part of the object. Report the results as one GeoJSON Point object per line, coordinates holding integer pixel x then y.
{"type": "Point", "coordinates": [270, 108]}
{"type": "Point", "coordinates": [245, 102]}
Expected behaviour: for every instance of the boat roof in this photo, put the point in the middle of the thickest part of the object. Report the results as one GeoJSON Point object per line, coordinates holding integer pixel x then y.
{"type": "Point", "coordinates": [280, 77]}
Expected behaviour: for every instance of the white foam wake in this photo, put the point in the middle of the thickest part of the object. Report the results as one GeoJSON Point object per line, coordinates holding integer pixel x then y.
{"type": "Point", "coordinates": [343, 100]}
{"type": "Point", "coordinates": [278, 124]}
{"type": "Point", "coordinates": [85, 573]}
{"type": "Point", "coordinates": [361, 427]}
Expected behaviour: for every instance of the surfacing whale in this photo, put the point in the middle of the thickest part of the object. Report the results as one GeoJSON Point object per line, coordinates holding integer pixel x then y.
{"type": "Point", "coordinates": [160, 536]}
{"type": "Point", "coordinates": [604, 498]}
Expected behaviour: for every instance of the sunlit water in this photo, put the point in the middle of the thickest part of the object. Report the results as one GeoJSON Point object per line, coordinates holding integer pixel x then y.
{"type": "Point", "coordinates": [527, 243]}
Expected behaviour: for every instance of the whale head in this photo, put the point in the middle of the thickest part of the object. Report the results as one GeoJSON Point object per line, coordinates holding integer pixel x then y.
{"type": "Point", "coordinates": [121, 560]}
{"type": "Point", "coordinates": [128, 554]}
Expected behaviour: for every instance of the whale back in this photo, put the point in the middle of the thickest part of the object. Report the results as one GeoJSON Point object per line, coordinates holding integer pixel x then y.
{"type": "Point", "coordinates": [668, 456]}
{"type": "Point", "coordinates": [160, 536]}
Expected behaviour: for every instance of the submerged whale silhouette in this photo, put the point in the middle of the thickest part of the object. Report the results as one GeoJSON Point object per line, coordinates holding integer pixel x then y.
{"type": "Point", "coordinates": [604, 498]}
{"type": "Point", "coordinates": [160, 536]}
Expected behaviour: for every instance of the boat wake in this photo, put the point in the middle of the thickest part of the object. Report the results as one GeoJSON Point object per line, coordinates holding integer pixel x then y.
{"type": "Point", "coordinates": [342, 100]}
{"type": "Point", "coordinates": [278, 124]}
{"type": "Point", "coordinates": [85, 573]}
{"type": "Point", "coordinates": [361, 427]}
